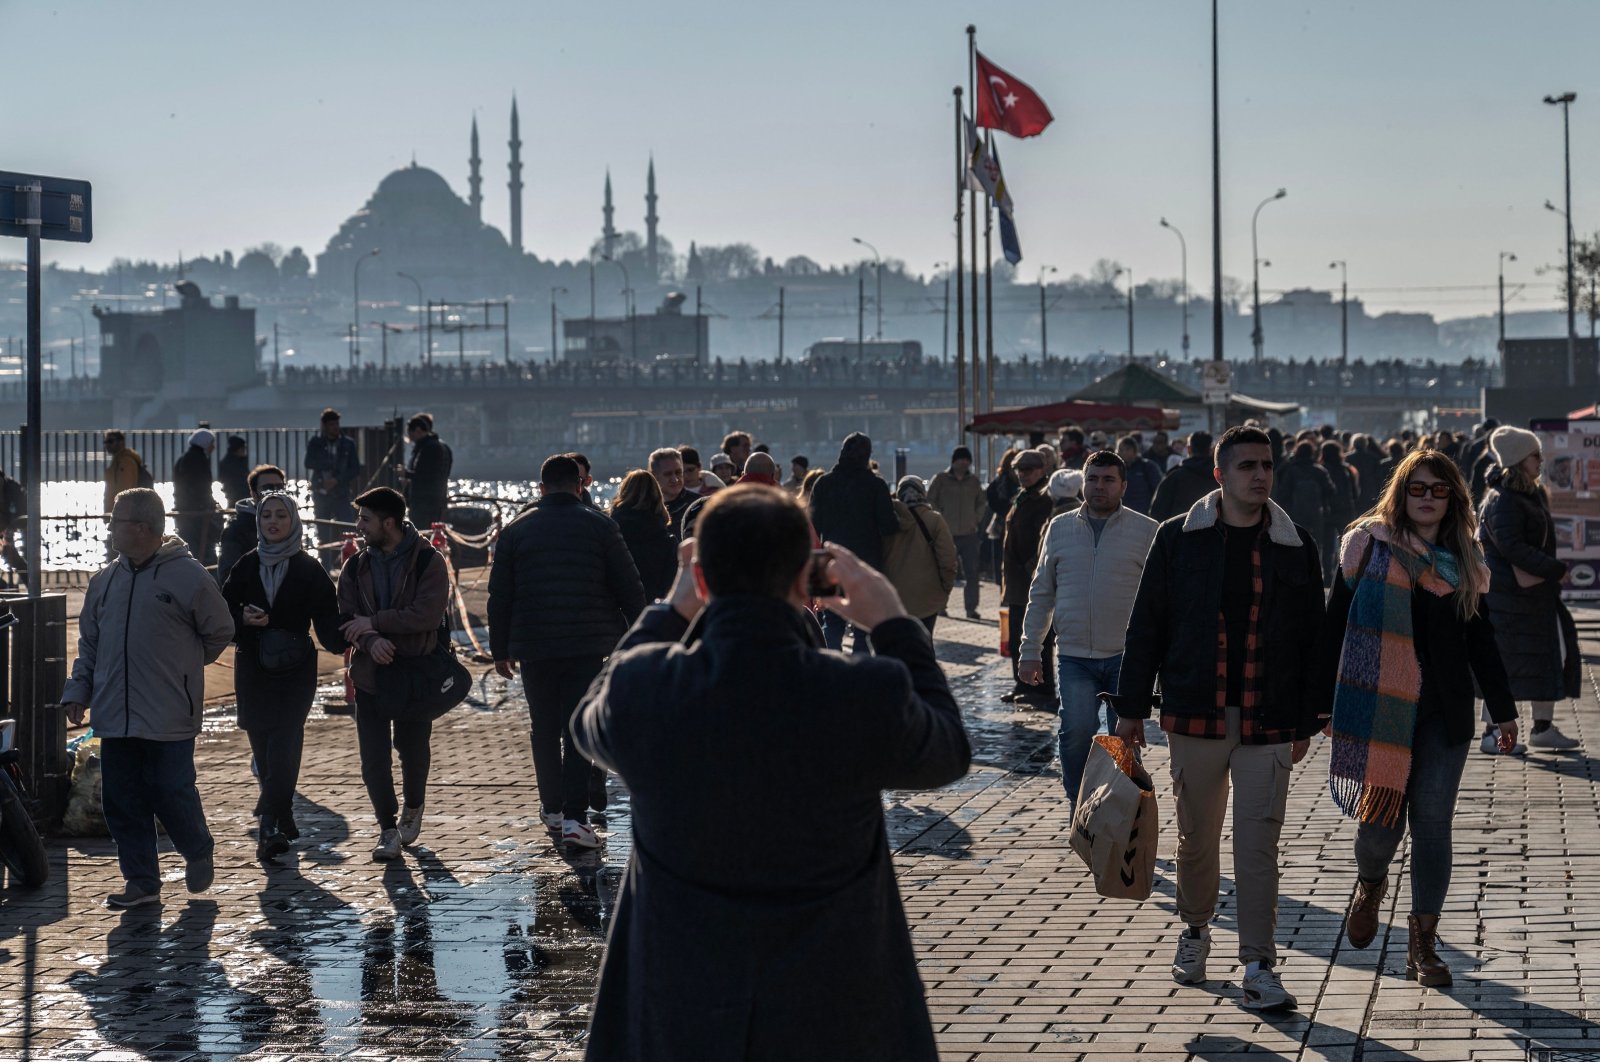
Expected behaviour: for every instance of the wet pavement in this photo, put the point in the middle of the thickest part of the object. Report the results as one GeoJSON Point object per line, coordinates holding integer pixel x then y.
{"type": "Point", "coordinates": [484, 942]}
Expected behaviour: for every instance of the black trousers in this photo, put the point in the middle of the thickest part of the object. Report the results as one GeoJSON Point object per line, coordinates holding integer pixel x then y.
{"type": "Point", "coordinates": [412, 739]}
{"type": "Point", "coordinates": [554, 688]}
{"type": "Point", "coordinates": [1046, 691]}
{"type": "Point", "coordinates": [277, 751]}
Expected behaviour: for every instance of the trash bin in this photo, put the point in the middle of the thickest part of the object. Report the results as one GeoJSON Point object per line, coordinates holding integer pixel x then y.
{"type": "Point", "coordinates": [33, 658]}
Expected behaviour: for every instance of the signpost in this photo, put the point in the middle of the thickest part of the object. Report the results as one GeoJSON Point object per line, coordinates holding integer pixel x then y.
{"type": "Point", "coordinates": [39, 208]}
{"type": "Point", "coordinates": [1216, 391]}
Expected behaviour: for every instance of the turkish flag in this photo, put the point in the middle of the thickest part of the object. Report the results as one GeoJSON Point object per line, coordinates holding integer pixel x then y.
{"type": "Point", "coordinates": [1006, 104]}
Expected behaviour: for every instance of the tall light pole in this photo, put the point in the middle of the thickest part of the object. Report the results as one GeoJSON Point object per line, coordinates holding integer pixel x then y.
{"type": "Point", "coordinates": [1129, 271]}
{"type": "Point", "coordinates": [1216, 200]}
{"type": "Point", "coordinates": [355, 336]}
{"type": "Point", "coordinates": [1344, 311]}
{"type": "Point", "coordinates": [553, 293]}
{"type": "Point", "coordinates": [627, 304]}
{"type": "Point", "coordinates": [1256, 337]}
{"type": "Point", "coordinates": [1565, 101]}
{"type": "Point", "coordinates": [878, 294]}
{"type": "Point", "coordinates": [1044, 331]}
{"type": "Point", "coordinates": [1183, 248]}
{"type": "Point", "coordinates": [421, 338]}
{"type": "Point", "coordinates": [1505, 256]}
{"type": "Point", "coordinates": [946, 267]}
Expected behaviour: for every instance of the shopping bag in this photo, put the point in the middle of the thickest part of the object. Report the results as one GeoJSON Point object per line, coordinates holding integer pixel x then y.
{"type": "Point", "coordinates": [1116, 827]}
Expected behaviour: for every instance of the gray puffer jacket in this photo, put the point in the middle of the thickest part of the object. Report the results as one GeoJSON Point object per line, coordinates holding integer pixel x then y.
{"type": "Point", "coordinates": [144, 639]}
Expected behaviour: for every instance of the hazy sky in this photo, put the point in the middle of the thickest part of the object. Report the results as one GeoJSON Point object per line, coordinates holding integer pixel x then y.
{"type": "Point", "coordinates": [1409, 133]}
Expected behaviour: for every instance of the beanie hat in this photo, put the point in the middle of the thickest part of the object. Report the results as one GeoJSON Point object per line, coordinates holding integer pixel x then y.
{"type": "Point", "coordinates": [202, 439]}
{"type": "Point", "coordinates": [911, 491]}
{"type": "Point", "coordinates": [1066, 483]}
{"type": "Point", "coordinates": [960, 453]}
{"type": "Point", "coordinates": [1511, 445]}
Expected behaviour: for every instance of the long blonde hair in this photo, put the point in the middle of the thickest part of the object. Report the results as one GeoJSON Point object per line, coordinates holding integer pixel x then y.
{"type": "Point", "coordinates": [641, 491]}
{"type": "Point", "coordinates": [1458, 532]}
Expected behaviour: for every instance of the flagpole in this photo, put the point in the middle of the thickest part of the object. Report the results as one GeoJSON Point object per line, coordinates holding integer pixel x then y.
{"type": "Point", "coordinates": [961, 318]}
{"type": "Point", "coordinates": [988, 301]}
{"type": "Point", "coordinates": [972, 217]}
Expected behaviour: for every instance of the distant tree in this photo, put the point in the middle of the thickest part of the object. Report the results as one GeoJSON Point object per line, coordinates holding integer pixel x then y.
{"type": "Point", "coordinates": [1104, 273]}
{"type": "Point", "coordinates": [732, 261]}
{"type": "Point", "coordinates": [295, 265]}
{"type": "Point", "coordinates": [801, 266]}
{"type": "Point", "coordinates": [693, 270]}
{"type": "Point", "coordinates": [1585, 276]}
{"type": "Point", "coordinates": [270, 249]}
{"type": "Point", "coordinates": [256, 272]}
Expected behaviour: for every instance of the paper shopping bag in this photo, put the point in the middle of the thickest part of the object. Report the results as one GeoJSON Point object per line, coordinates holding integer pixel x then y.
{"type": "Point", "coordinates": [1116, 827]}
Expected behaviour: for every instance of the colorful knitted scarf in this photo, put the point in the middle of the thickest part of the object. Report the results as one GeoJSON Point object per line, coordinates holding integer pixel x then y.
{"type": "Point", "coordinates": [1380, 680]}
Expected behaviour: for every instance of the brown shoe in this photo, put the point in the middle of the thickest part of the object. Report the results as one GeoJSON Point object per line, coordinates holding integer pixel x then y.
{"type": "Point", "coordinates": [1361, 920]}
{"type": "Point", "coordinates": [1423, 964]}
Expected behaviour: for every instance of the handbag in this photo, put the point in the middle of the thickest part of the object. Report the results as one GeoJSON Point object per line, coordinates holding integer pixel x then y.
{"type": "Point", "coordinates": [280, 651]}
{"type": "Point", "coordinates": [426, 686]}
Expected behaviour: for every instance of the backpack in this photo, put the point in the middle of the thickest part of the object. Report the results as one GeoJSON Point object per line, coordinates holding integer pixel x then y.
{"type": "Point", "coordinates": [1304, 499]}
{"type": "Point", "coordinates": [146, 480]}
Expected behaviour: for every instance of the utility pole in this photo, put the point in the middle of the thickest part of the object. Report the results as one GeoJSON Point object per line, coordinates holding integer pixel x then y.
{"type": "Point", "coordinates": [1344, 311]}
{"type": "Point", "coordinates": [276, 362]}
{"type": "Point", "coordinates": [383, 336]}
{"type": "Point", "coordinates": [1216, 203]}
{"type": "Point", "coordinates": [554, 348]}
{"type": "Point", "coordinates": [1130, 316]}
{"type": "Point", "coordinates": [861, 317]}
{"type": "Point", "coordinates": [1565, 101]}
{"type": "Point", "coordinates": [945, 359]}
{"type": "Point", "coordinates": [1256, 336]}
{"type": "Point", "coordinates": [780, 323]}
{"type": "Point", "coordinates": [1505, 256]}
{"type": "Point", "coordinates": [1183, 247]}
{"type": "Point", "coordinates": [1044, 313]}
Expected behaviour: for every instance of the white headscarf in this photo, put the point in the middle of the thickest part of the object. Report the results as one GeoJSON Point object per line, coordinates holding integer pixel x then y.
{"type": "Point", "coordinates": [275, 556]}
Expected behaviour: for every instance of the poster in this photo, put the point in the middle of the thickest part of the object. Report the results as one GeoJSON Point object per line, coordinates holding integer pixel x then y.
{"type": "Point", "coordinates": [1572, 474]}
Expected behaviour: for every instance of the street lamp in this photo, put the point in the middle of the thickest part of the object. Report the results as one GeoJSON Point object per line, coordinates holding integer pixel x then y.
{"type": "Point", "coordinates": [1565, 102]}
{"type": "Point", "coordinates": [421, 338]}
{"type": "Point", "coordinates": [945, 266]}
{"type": "Point", "coordinates": [1256, 337]}
{"type": "Point", "coordinates": [1505, 256]}
{"type": "Point", "coordinates": [878, 335]}
{"type": "Point", "coordinates": [1128, 270]}
{"type": "Point", "coordinates": [355, 338]}
{"type": "Point", "coordinates": [627, 303]}
{"type": "Point", "coordinates": [1044, 334]}
{"type": "Point", "coordinates": [1344, 311]}
{"type": "Point", "coordinates": [553, 293]}
{"type": "Point", "coordinates": [1183, 247]}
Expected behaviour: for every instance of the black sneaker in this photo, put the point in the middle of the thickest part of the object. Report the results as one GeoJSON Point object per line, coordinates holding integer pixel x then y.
{"type": "Point", "coordinates": [199, 874]}
{"type": "Point", "coordinates": [132, 896]}
{"type": "Point", "coordinates": [289, 829]}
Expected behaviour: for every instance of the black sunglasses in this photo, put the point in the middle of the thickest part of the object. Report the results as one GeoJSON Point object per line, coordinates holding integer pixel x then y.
{"type": "Point", "coordinates": [1438, 490]}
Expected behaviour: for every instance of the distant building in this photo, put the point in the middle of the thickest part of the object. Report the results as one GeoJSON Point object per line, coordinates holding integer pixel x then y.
{"type": "Point", "coordinates": [195, 350]}
{"type": "Point", "coordinates": [641, 338]}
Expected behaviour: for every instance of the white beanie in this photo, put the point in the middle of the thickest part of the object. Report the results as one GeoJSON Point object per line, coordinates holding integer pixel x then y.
{"type": "Point", "coordinates": [1066, 483]}
{"type": "Point", "coordinates": [202, 438]}
{"type": "Point", "coordinates": [1512, 445]}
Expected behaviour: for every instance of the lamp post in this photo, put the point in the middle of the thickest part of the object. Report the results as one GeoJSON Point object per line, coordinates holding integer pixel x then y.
{"type": "Point", "coordinates": [946, 267]}
{"type": "Point", "coordinates": [627, 303]}
{"type": "Point", "coordinates": [1044, 331]}
{"type": "Point", "coordinates": [878, 294]}
{"type": "Point", "coordinates": [83, 332]}
{"type": "Point", "coordinates": [553, 293]}
{"type": "Point", "coordinates": [1128, 270]}
{"type": "Point", "coordinates": [421, 339]}
{"type": "Point", "coordinates": [1505, 256]}
{"type": "Point", "coordinates": [1565, 102]}
{"type": "Point", "coordinates": [355, 335]}
{"type": "Point", "coordinates": [1183, 247]}
{"type": "Point", "coordinates": [1344, 311]}
{"type": "Point", "coordinates": [1256, 337]}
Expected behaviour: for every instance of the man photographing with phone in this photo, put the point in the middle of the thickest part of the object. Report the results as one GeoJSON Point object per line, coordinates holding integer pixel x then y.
{"type": "Point", "coordinates": [724, 696]}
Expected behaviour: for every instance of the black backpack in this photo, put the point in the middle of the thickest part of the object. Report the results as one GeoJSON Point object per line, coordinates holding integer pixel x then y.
{"type": "Point", "coordinates": [146, 480]}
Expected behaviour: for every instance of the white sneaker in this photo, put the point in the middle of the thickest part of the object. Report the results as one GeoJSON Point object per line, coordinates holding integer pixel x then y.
{"type": "Point", "coordinates": [1551, 738]}
{"type": "Point", "coordinates": [1189, 965]}
{"type": "Point", "coordinates": [1264, 991]}
{"type": "Point", "coordinates": [388, 848]}
{"type": "Point", "coordinates": [552, 819]}
{"type": "Point", "coordinates": [410, 824]}
{"type": "Point", "coordinates": [1490, 745]}
{"type": "Point", "coordinates": [578, 833]}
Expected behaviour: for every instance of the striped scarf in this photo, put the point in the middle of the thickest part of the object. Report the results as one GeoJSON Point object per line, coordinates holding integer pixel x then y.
{"type": "Point", "coordinates": [1380, 679]}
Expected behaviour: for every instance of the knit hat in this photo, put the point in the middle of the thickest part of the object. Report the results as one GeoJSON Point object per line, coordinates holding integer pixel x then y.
{"type": "Point", "coordinates": [960, 453]}
{"type": "Point", "coordinates": [1066, 483]}
{"type": "Point", "coordinates": [911, 491]}
{"type": "Point", "coordinates": [202, 438]}
{"type": "Point", "coordinates": [1512, 445]}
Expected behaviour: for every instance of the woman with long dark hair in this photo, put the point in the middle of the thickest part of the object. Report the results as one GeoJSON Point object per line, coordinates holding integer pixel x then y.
{"type": "Point", "coordinates": [1407, 612]}
{"type": "Point", "coordinates": [276, 593]}
{"type": "Point", "coordinates": [641, 513]}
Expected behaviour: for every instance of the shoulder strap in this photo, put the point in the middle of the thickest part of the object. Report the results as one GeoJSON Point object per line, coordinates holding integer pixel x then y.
{"type": "Point", "coordinates": [926, 534]}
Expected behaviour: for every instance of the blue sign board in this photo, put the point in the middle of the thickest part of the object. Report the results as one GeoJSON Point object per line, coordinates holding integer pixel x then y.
{"type": "Point", "coordinates": [63, 207]}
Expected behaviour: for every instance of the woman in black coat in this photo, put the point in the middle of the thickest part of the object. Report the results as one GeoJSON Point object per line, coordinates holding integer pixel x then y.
{"type": "Point", "coordinates": [276, 592]}
{"type": "Point", "coordinates": [1537, 639]}
{"type": "Point", "coordinates": [641, 514]}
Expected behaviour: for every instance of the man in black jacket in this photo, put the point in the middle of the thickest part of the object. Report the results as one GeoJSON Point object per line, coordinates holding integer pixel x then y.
{"type": "Point", "coordinates": [1188, 483]}
{"type": "Point", "coordinates": [195, 508]}
{"type": "Point", "coordinates": [851, 506]}
{"type": "Point", "coordinates": [239, 536]}
{"type": "Point", "coordinates": [1025, 524]}
{"type": "Point", "coordinates": [427, 478]}
{"type": "Point", "coordinates": [333, 465]}
{"type": "Point", "coordinates": [562, 590]}
{"type": "Point", "coordinates": [1227, 616]}
{"type": "Point", "coordinates": [792, 942]}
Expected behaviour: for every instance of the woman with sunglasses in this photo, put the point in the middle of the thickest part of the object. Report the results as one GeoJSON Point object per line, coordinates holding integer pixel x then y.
{"type": "Point", "coordinates": [1407, 609]}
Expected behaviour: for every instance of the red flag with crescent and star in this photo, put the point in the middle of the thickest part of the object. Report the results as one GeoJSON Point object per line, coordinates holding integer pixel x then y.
{"type": "Point", "coordinates": [1006, 104]}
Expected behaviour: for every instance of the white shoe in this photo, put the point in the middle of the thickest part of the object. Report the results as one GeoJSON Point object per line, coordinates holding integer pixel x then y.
{"type": "Point", "coordinates": [1490, 745]}
{"type": "Point", "coordinates": [410, 824]}
{"type": "Point", "coordinates": [1189, 965]}
{"type": "Point", "coordinates": [1264, 991]}
{"type": "Point", "coordinates": [552, 819]}
{"type": "Point", "coordinates": [1551, 738]}
{"type": "Point", "coordinates": [578, 833]}
{"type": "Point", "coordinates": [388, 848]}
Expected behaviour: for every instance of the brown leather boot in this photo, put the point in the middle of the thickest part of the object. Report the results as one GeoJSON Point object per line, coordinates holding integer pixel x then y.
{"type": "Point", "coordinates": [1361, 920]}
{"type": "Point", "coordinates": [1423, 964]}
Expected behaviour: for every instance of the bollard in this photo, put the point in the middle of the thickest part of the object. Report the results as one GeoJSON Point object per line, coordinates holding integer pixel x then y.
{"type": "Point", "coordinates": [34, 651]}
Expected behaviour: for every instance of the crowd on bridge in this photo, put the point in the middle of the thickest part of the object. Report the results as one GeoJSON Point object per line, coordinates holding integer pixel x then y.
{"type": "Point", "coordinates": [1245, 592]}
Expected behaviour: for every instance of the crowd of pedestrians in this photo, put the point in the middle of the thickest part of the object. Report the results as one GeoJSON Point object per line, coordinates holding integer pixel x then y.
{"type": "Point", "coordinates": [1246, 593]}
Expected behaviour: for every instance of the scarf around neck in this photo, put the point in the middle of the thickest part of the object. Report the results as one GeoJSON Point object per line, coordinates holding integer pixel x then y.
{"type": "Point", "coordinates": [275, 556]}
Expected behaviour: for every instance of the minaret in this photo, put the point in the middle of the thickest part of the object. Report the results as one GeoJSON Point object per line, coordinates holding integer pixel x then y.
{"type": "Point", "coordinates": [475, 181]}
{"type": "Point", "coordinates": [608, 235]}
{"type": "Point", "coordinates": [650, 220]}
{"type": "Point", "coordinates": [516, 181]}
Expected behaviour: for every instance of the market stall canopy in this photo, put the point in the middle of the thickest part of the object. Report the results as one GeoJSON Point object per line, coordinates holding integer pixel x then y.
{"type": "Point", "coordinates": [1140, 383]}
{"type": "Point", "coordinates": [1090, 416]}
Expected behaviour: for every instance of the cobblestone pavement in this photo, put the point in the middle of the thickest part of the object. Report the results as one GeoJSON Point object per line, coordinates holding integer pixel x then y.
{"type": "Point", "coordinates": [485, 940]}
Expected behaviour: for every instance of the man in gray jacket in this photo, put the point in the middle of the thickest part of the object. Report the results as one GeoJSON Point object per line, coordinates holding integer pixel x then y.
{"type": "Point", "coordinates": [957, 496]}
{"type": "Point", "coordinates": [1088, 574]}
{"type": "Point", "coordinates": [152, 620]}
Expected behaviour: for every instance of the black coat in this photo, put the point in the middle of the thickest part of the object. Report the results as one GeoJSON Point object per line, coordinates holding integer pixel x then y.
{"type": "Point", "coordinates": [238, 537]}
{"type": "Point", "coordinates": [233, 472]}
{"type": "Point", "coordinates": [793, 942]}
{"type": "Point", "coordinates": [562, 583]}
{"type": "Point", "coordinates": [428, 483]}
{"type": "Point", "coordinates": [1370, 478]}
{"type": "Point", "coordinates": [1306, 492]}
{"type": "Point", "coordinates": [1530, 623]}
{"type": "Point", "coordinates": [1183, 486]}
{"type": "Point", "coordinates": [191, 482]}
{"type": "Point", "coordinates": [1025, 523]}
{"type": "Point", "coordinates": [652, 547]}
{"type": "Point", "coordinates": [852, 507]}
{"type": "Point", "coordinates": [306, 598]}
{"type": "Point", "coordinates": [1172, 632]}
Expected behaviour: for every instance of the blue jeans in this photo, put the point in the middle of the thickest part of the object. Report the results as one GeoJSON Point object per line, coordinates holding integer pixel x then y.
{"type": "Point", "coordinates": [1081, 681]}
{"type": "Point", "coordinates": [1430, 803]}
{"type": "Point", "coordinates": [833, 631]}
{"type": "Point", "coordinates": [142, 781]}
